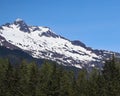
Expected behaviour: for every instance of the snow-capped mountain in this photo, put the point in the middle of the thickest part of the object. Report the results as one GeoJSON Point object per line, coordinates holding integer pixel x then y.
{"type": "Point", "coordinates": [42, 42]}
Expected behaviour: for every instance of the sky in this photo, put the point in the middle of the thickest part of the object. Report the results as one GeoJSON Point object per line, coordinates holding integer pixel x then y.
{"type": "Point", "coordinates": [94, 22]}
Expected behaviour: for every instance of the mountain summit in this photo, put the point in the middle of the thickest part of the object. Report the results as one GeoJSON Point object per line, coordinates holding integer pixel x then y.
{"type": "Point", "coordinates": [41, 42]}
{"type": "Point", "coordinates": [22, 25]}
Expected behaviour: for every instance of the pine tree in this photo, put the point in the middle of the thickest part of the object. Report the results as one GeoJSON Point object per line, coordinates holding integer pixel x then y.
{"type": "Point", "coordinates": [33, 79]}
{"type": "Point", "coordinates": [94, 81]}
{"type": "Point", "coordinates": [24, 79]}
{"type": "Point", "coordinates": [3, 69]}
{"type": "Point", "coordinates": [9, 80]}
{"type": "Point", "coordinates": [111, 74]}
{"type": "Point", "coordinates": [82, 85]}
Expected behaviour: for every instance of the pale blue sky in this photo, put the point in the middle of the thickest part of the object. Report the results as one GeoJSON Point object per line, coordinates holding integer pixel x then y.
{"type": "Point", "coordinates": [94, 22]}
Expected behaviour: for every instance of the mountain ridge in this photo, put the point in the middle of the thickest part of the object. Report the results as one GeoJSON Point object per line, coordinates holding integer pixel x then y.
{"type": "Point", "coordinates": [42, 42]}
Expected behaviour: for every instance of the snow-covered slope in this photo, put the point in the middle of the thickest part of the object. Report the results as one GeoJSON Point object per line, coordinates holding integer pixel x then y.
{"type": "Point", "coordinates": [41, 42]}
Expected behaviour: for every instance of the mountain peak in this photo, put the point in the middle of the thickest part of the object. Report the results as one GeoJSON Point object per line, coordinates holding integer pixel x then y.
{"type": "Point", "coordinates": [22, 25]}
{"type": "Point", "coordinates": [19, 20]}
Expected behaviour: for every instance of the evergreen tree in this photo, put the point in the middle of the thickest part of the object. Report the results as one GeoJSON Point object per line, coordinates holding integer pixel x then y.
{"type": "Point", "coordinates": [82, 85]}
{"type": "Point", "coordinates": [33, 79]}
{"type": "Point", "coordinates": [9, 80]}
{"type": "Point", "coordinates": [67, 84]}
{"type": "Point", "coordinates": [24, 79]}
{"type": "Point", "coordinates": [94, 83]}
{"type": "Point", "coordinates": [111, 75]}
{"type": "Point", "coordinates": [3, 69]}
{"type": "Point", "coordinates": [44, 79]}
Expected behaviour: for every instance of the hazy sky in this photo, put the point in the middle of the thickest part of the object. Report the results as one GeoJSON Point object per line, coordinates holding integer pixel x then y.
{"type": "Point", "coordinates": [94, 22]}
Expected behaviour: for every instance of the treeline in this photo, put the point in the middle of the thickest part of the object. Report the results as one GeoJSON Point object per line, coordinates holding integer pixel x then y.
{"type": "Point", "coordinates": [25, 79]}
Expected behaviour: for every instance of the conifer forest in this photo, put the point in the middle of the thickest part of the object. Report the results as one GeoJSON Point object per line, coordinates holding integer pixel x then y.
{"type": "Point", "coordinates": [49, 79]}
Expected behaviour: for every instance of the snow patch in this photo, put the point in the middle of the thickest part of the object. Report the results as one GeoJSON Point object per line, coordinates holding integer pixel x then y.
{"type": "Point", "coordinates": [18, 19]}
{"type": "Point", "coordinates": [78, 66]}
